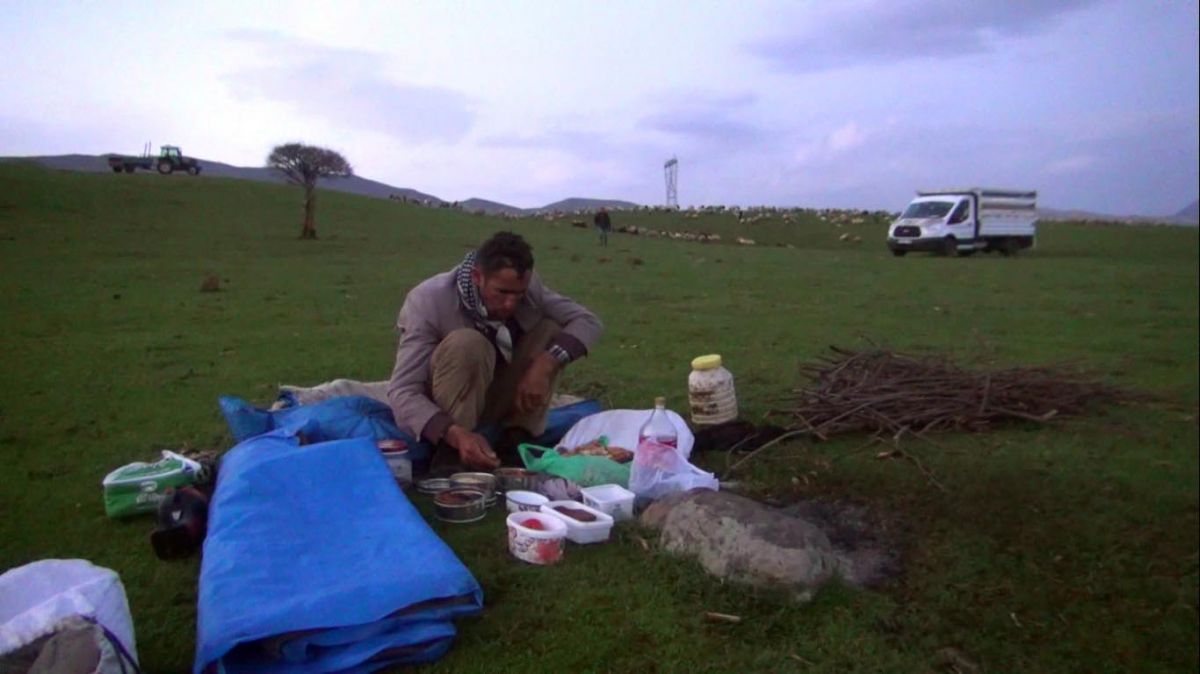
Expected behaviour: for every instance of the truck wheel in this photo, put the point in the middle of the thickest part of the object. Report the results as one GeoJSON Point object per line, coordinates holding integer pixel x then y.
{"type": "Point", "coordinates": [949, 246]}
{"type": "Point", "coordinates": [116, 169]}
{"type": "Point", "coordinates": [1009, 247]}
{"type": "Point", "coordinates": [129, 169]}
{"type": "Point", "coordinates": [164, 167]}
{"type": "Point", "coordinates": [193, 170]}
{"type": "Point", "coordinates": [899, 253]}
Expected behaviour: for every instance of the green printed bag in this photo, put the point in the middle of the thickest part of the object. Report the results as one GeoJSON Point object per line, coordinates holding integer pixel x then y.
{"type": "Point", "coordinates": [137, 488]}
{"type": "Point", "coordinates": [586, 471]}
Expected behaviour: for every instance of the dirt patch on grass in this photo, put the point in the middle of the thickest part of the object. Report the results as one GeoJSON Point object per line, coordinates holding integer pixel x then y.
{"type": "Point", "coordinates": [867, 543]}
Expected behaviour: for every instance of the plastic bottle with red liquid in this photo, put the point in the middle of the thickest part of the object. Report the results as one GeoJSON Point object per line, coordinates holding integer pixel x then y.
{"type": "Point", "coordinates": [658, 428]}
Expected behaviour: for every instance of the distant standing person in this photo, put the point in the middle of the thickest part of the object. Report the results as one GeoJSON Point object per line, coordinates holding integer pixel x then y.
{"type": "Point", "coordinates": [603, 225]}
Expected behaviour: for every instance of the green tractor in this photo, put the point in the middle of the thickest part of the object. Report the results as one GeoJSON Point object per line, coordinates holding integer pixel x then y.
{"type": "Point", "coordinates": [169, 160]}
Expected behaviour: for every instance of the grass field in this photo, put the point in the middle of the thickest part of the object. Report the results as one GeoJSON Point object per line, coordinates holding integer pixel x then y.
{"type": "Point", "coordinates": [1071, 547]}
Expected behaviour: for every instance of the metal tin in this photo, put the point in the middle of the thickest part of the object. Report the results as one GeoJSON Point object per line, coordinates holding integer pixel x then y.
{"type": "Point", "coordinates": [484, 482]}
{"type": "Point", "coordinates": [514, 479]}
{"type": "Point", "coordinates": [459, 505]}
{"type": "Point", "coordinates": [433, 485]}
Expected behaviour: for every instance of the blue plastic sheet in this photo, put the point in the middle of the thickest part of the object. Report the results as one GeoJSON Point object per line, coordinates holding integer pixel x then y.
{"type": "Point", "coordinates": [315, 561]}
{"type": "Point", "coordinates": [355, 416]}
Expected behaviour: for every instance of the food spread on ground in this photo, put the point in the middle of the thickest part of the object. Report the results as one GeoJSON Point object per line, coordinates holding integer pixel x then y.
{"type": "Point", "coordinates": [597, 448]}
{"type": "Point", "coordinates": [576, 513]}
{"type": "Point", "coordinates": [457, 497]}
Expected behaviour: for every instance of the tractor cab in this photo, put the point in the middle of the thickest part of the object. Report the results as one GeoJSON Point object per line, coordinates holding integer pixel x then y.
{"type": "Point", "coordinates": [170, 159]}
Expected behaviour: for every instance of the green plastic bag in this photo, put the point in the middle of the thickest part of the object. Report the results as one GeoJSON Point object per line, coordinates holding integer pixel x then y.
{"type": "Point", "coordinates": [586, 471]}
{"type": "Point", "coordinates": [138, 488]}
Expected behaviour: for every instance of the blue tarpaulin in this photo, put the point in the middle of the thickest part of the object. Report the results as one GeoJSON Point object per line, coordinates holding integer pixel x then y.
{"type": "Point", "coordinates": [356, 416]}
{"type": "Point", "coordinates": [315, 561]}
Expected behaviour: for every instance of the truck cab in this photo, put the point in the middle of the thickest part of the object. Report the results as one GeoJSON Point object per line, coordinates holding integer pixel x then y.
{"type": "Point", "coordinates": [964, 221]}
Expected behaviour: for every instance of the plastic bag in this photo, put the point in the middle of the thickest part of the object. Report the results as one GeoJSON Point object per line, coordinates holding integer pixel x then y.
{"type": "Point", "coordinates": [137, 488]}
{"type": "Point", "coordinates": [621, 427]}
{"type": "Point", "coordinates": [659, 470]}
{"type": "Point", "coordinates": [41, 599]}
{"type": "Point", "coordinates": [586, 471]}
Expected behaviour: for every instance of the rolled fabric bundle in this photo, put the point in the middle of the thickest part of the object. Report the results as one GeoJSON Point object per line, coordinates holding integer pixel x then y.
{"type": "Point", "coordinates": [315, 561]}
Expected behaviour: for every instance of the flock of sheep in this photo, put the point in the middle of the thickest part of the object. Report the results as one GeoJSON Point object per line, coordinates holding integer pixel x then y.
{"type": "Point", "coordinates": [837, 217]}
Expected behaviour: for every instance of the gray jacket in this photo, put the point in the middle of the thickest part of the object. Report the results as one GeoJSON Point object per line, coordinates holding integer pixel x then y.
{"type": "Point", "coordinates": [432, 310]}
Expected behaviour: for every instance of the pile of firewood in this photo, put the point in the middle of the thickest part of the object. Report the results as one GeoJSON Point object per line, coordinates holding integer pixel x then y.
{"type": "Point", "coordinates": [882, 391]}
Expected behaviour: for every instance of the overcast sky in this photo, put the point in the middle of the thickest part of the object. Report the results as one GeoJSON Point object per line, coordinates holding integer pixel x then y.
{"type": "Point", "coordinates": [845, 104]}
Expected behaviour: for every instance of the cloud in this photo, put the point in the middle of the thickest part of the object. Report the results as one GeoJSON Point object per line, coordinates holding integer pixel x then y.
{"type": "Point", "coordinates": [555, 137]}
{"type": "Point", "coordinates": [847, 137]}
{"type": "Point", "coordinates": [706, 119]}
{"type": "Point", "coordinates": [840, 35]}
{"type": "Point", "coordinates": [1074, 164]}
{"type": "Point", "coordinates": [344, 88]}
{"type": "Point", "coordinates": [719, 129]}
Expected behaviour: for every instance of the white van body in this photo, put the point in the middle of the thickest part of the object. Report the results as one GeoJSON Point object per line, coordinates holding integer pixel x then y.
{"type": "Point", "coordinates": [963, 221]}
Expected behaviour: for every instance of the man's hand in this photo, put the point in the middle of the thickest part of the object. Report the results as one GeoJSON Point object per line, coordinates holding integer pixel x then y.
{"type": "Point", "coordinates": [533, 391]}
{"type": "Point", "coordinates": [473, 449]}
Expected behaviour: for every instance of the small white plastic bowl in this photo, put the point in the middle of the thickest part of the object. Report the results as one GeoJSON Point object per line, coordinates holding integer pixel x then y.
{"type": "Point", "coordinates": [542, 545]}
{"type": "Point", "coordinates": [524, 501]}
{"type": "Point", "coordinates": [610, 499]}
{"type": "Point", "coordinates": [581, 531]}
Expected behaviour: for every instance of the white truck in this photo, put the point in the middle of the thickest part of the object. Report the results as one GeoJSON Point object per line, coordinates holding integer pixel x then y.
{"type": "Point", "coordinates": [963, 221]}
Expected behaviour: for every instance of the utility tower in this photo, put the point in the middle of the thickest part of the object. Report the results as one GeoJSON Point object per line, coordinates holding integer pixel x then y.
{"type": "Point", "coordinates": [671, 169]}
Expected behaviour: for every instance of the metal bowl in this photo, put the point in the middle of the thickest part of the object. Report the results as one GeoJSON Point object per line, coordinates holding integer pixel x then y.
{"type": "Point", "coordinates": [514, 479]}
{"type": "Point", "coordinates": [460, 505]}
{"type": "Point", "coordinates": [484, 482]}
{"type": "Point", "coordinates": [433, 485]}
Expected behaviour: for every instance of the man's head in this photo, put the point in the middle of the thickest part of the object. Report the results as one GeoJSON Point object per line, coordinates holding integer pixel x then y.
{"type": "Point", "coordinates": [503, 268]}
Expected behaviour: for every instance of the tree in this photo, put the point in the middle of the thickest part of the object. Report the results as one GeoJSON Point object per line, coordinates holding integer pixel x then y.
{"type": "Point", "coordinates": [303, 165]}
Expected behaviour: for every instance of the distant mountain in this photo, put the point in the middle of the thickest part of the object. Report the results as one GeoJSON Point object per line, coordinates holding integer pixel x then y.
{"type": "Point", "coordinates": [1190, 213]}
{"type": "Point", "coordinates": [490, 207]}
{"type": "Point", "coordinates": [582, 204]}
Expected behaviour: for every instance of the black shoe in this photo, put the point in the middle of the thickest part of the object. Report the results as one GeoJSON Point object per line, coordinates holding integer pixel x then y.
{"type": "Point", "coordinates": [182, 523]}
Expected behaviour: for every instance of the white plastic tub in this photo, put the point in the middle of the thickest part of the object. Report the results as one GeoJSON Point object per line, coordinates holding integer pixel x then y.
{"type": "Point", "coordinates": [579, 531]}
{"type": "Point", "coordinates": [519, 500]}
{"type": "Point", "coordinates": [395, 453]}
{"type": "Point", "coordinates": [611, 499]}
{"type": "Point", "coordinates": [542, 545]}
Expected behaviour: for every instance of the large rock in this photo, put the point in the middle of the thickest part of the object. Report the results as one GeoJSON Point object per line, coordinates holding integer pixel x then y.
{"type": "Point", "coordinates": [739, 539]}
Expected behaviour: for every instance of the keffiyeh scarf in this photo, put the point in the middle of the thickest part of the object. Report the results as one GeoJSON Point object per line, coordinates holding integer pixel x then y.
{"type": "Point", "coordinates": [468, 294]}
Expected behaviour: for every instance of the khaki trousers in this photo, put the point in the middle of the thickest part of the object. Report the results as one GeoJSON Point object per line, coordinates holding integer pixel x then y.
{"type": "Point", "coordinates": [468, 386]}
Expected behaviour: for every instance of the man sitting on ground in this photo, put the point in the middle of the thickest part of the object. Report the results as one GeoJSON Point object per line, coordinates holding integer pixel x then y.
{"type": "Point", "coordinates": [483, 344]}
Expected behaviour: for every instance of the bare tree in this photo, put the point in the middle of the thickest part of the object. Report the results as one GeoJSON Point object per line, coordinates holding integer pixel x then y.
{"type": "Point", "coordinates": [303, 165]}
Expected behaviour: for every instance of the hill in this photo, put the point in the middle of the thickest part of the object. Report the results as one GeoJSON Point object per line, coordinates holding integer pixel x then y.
{"type": "Point", "coordinates": [215, 169]}
{"type": "Point", "coordinates": [490, 207]}
{"type": "Point", "coordinates": [1190, 213]}
{"type": "Point", "coordinates": [1044, 544]}
{"type": "Point", "coordinates": [1180, 218]}
{"type": "Point", "coordinates": [573, 204]}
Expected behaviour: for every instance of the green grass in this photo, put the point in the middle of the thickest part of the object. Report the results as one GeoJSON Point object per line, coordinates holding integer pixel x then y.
{"type": "Point", "coordinates": [1071, 547]}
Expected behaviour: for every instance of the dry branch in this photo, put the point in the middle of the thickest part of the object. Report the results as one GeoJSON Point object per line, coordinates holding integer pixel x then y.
{"type": "Point", "coordinates": [890, 393]}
